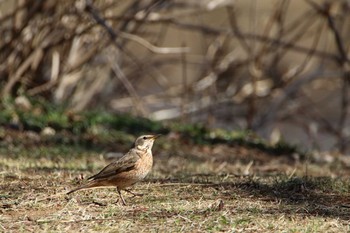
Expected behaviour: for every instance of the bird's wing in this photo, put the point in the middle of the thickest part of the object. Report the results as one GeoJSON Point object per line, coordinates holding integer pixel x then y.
{"type": "Point", "coordinates": [125, 163]}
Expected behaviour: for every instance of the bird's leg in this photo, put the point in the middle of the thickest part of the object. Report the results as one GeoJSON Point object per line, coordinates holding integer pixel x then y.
{"type": "Point", "coordinates": [134, 194]}
{"type": "Point", "coordinates": [121, 197]}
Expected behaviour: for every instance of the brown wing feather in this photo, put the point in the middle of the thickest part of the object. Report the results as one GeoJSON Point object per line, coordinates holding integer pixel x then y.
{"type": "Point", "coordinates": [125, 163]}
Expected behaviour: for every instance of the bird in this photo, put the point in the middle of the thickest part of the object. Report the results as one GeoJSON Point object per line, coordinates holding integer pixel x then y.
{"type": "Point", "coordinates": [127, 170]}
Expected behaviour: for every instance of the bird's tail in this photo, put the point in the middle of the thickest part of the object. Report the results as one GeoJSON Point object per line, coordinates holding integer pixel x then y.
{"type": "Point", "coordinates": [90, 184]}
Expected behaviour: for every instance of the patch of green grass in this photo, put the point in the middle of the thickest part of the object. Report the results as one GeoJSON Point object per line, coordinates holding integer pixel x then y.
{"type": "Point", "coordinates": [103, 126]}
{"type": "Point", "coordinates": [251, 140]}
{"type": "Point", "coordinates": [199, 134]}
{"type": "Point", "coordinates": [241, 221]}
{"type": "Point", "coordinates": [100, 127]}
{"type": "Point", "coordinates": [44, 114]}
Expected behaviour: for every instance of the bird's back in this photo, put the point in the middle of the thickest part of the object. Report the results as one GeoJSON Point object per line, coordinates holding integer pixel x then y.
{"type": "Point", "coordinates": [124, 164]}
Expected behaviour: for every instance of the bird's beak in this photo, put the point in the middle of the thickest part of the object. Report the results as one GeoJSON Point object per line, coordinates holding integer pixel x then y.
{"type": "Point", "coordinates": [156, 136]}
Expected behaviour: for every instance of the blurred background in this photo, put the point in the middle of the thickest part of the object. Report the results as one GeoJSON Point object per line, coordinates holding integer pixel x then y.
{"type": "Point", "coordinates": [279, 68]}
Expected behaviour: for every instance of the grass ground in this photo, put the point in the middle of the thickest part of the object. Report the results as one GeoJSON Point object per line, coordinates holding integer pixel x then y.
{"type": "Point", "coordinates": [192, 188]}
{"type": "Point", "coordinates": [201, 181]}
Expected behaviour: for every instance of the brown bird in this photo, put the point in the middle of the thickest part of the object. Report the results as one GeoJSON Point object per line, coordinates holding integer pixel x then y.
{"type": "Point", "coordinates": [126, 171]}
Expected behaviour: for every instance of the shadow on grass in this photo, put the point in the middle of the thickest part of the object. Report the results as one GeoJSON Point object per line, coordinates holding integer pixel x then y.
{"type": "Point", "coordinates": [321, 196]}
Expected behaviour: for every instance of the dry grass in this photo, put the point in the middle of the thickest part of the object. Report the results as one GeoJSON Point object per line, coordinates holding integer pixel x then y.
{"type": "Point", "coordinates": [279, 68]}
{"type": "Point", "coordinates": [192, 189]}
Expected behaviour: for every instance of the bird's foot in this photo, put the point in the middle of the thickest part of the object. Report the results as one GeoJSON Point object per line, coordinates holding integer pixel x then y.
{"type": "Point", "coordinates": [121, 197]}
{"type": "Point", "coordinates": [134, 194]}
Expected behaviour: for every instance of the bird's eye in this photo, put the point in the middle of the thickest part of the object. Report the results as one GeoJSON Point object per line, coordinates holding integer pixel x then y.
{"type": "Point", "coordinates": [144, 138]}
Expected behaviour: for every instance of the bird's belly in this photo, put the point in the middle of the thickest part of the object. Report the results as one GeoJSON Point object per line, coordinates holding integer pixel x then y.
{"type": "Point", "coordinates": [126, 179]}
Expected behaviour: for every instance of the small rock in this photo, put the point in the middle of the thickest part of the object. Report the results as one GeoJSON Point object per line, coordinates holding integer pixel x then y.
{"type": "Point", "coordinates": [48, 131]}
{"type": "Point", "coordinates": [345, 160]}
{"type": "Point", "coordinates": [23, 103]}
{"type": "Point", "coordinates": [322, 157]}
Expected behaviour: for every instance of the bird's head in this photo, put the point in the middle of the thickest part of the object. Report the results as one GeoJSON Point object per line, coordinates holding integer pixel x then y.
{"type": "Point", "coordinates": [145, 142]}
